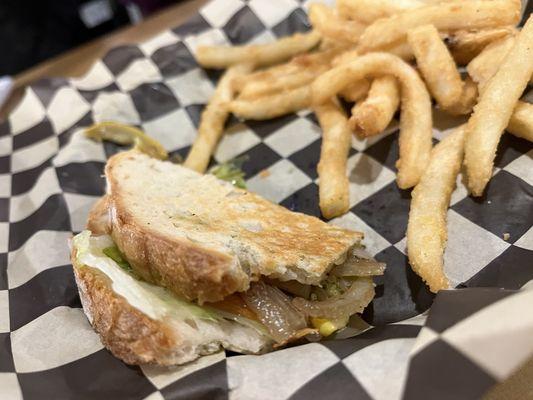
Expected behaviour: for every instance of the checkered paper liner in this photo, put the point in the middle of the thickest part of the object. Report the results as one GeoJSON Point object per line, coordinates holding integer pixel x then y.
{"type": "Point", "coordinates": [50, 176]}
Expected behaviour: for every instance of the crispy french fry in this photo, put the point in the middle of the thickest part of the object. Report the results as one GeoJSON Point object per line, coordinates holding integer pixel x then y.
{"type": "Point", "coordinates": [326, 21]}
{"type": "Point", "coordinates": [368, 11]}
{"type": "Point", "coordinates": [374, 114]}
{"type": "Point", "coordinates": [465, 45]}
{"type": "Point", "coordinates": [267, 107]}
{"type": "Point", "coordinates": [494, 109]}
{"type": "Point", "coordinates": [259, 55]}
{"type": "Point", "coordinates": [439, 70]}
{"type": "Point", "coordinates": [485, 65]}
{"type": "Point", "coordinates": [344, 57]}
{"type": "Point", "coordinates": [281, 83]}
{"type": "Point", "coordinates": [356, 91]}
{"type": "Point", "coordinates": [521, 122]}
{"type": "Point", "coordinates": [239, 82]}
{"type": "Point", "coordinates": [402, 50]}
{"type": "Point", "coordinates": [467, 100]}
{"type": "Point", "coordinates": [426, 229]}
{"type": "Point", "coordinates": [322, 57]}
{"type": "Point", "coordinates": [451, 16]}
{"type": "Point", "coordinates": [336, 142]}
{"type": "Point", "coordinates": [294, 66]}
{"type": "Point", "coordinates": [213, 119]}
{"type": "Point", "coordinates": [416, 119]}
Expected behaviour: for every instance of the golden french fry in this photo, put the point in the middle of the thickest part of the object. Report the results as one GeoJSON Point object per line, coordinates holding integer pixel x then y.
{"type": "Point", "coordinates": [402, 50]}
{"type": "Point", "coordinates": [295, 65]}
{"type": "Point", "coordinates": [368, 11]}
{"type": "Point", "coordinates": [521, 122]}
{"type": "Point", "coordinates": [239, 82]}
{"type": "Point", "coordinates": [494, 109]}
{"type": "Point", "coordinates": [336, 142]}
{"type": "Point", "coordinates": [213, 119]}
{"type": "Point", "coordinates": [485, 65]}
{"type": "Point", "coordinates": [467, 100]}
{"type": "Point", "coordinates": [356, 91]}
{"type": "Point", "coordinates": [280, 83]}
{"type": "Point", "coordinates": [259, 55]}
{"type": "Point", "coordinates": [451, 16]}
{"type": "Point", "coordinates": [416, 119]}
{"type": "Point", "coordinates": [439, 70]}
{"type": "Point", "coordinates": [326, 21]}
{"type": "Point", "coordinates": [344, 57]}
{"type": "Point", "coordinates": [426, 229]}
{"type": "Point", "coordinates": [374, 114]}
{"type": "Point", "coordinates": [267, 107]}
{"type": "Point", "coordinates": [328, 43]}
{"type": "Point", "coordinates": [465, 45]}
{"type": "Point", "coordinates": [322, 57]}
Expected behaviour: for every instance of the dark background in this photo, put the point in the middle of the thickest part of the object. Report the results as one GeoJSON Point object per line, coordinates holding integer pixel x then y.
{"type": "Point", "coordinates": [32, 31]}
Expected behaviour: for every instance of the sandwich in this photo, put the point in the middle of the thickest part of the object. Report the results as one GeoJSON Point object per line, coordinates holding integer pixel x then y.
{"type": "Point", "coordinates": [175, 264]}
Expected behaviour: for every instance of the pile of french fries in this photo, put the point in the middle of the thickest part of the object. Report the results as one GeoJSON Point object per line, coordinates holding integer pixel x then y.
{"type": "Point", "coordinates": [385, 55]}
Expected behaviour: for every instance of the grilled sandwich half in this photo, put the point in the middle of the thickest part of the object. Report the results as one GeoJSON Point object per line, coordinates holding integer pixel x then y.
{"type": "Point", "coordinates": [175, 264]}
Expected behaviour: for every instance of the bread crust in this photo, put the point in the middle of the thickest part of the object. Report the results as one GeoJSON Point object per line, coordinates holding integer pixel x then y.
{"type": "Point", "coordinates": [129, 334]}
{"type": "Point", "coordinates": [98, 220]}
{"type": "Point", "coordinates": [190, 271]}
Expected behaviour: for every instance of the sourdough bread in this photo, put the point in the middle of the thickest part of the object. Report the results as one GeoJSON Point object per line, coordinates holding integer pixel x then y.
{"type": "Point", "coordinates": [204, 239]}
{"type": "Point", "coordinates": [137, 334]}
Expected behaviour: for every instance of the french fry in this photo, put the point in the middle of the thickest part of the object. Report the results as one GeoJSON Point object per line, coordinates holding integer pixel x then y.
{"type": "Point", "coordinates": [416, 119]}
{"type": "Point", "coordinates": [521, 122]}
{"type": "Point", "coordinates": [426, 229]}
{"type": "Point", "coordinates": [479, 14]}
{"type": "Point", "coordinates": [494, 109]}
{"type": "Point", "coordinates": [239, 82]}
{"type": "Point", "coordinates": [374, 114]}
{"type": "Point", "coordinates": [281, 83]}
{"type": "Point", "coordinates": [402, 50]}
{"type": "Point", "coordinates": [336, 142]}
{"type": "Point", "coordinates": [213, 119]}
{"type": "Point", "coordinates": [326, 21]}
{"type": "Point", "coordinates": [485, 65]}
{"type": "Point", "coordinates": [467, 100]}
{"type": "Point", "coordinates": [345, 57]}
{"type": "Point", "coordinates": [294, 66]}
{"type": "Point", "coordinates": [439, 71]}
{"type": "Point", "coordinates": [356, 91]}
{"type": "Point", "coordinates": [272, 106]}
{"type": "Point", "coordinates": [368, 11]}
{"type": "Point", "coordinates": [259, 55]}
{"type": "Point", "coordinates": [465, 45]}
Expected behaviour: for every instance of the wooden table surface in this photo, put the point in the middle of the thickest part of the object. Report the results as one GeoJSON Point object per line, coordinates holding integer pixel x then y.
{"type": "Point", "coordinates": [76, 62]}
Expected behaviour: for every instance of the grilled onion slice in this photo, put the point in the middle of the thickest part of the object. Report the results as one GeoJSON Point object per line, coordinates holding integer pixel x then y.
{"type": "Point", "coordinates": [275, 311]}
{"type": "Point", "coordinates": [352, 301]}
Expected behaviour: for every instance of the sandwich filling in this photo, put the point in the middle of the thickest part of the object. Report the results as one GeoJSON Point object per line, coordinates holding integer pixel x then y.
{"type": "Point", "coordinates": [283, 311]}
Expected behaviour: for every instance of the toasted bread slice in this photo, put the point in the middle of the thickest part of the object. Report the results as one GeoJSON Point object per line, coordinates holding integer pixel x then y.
{"type": "Point", "coordinates": [142, 324]}
{"type": "Point", "coordinates": [98, 219]}
{"type": "Point", "coordinates": [204, 239]}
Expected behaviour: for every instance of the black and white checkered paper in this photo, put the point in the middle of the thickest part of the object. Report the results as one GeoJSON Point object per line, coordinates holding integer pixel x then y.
{"type": "Point", "coordinates": [50, 176]}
